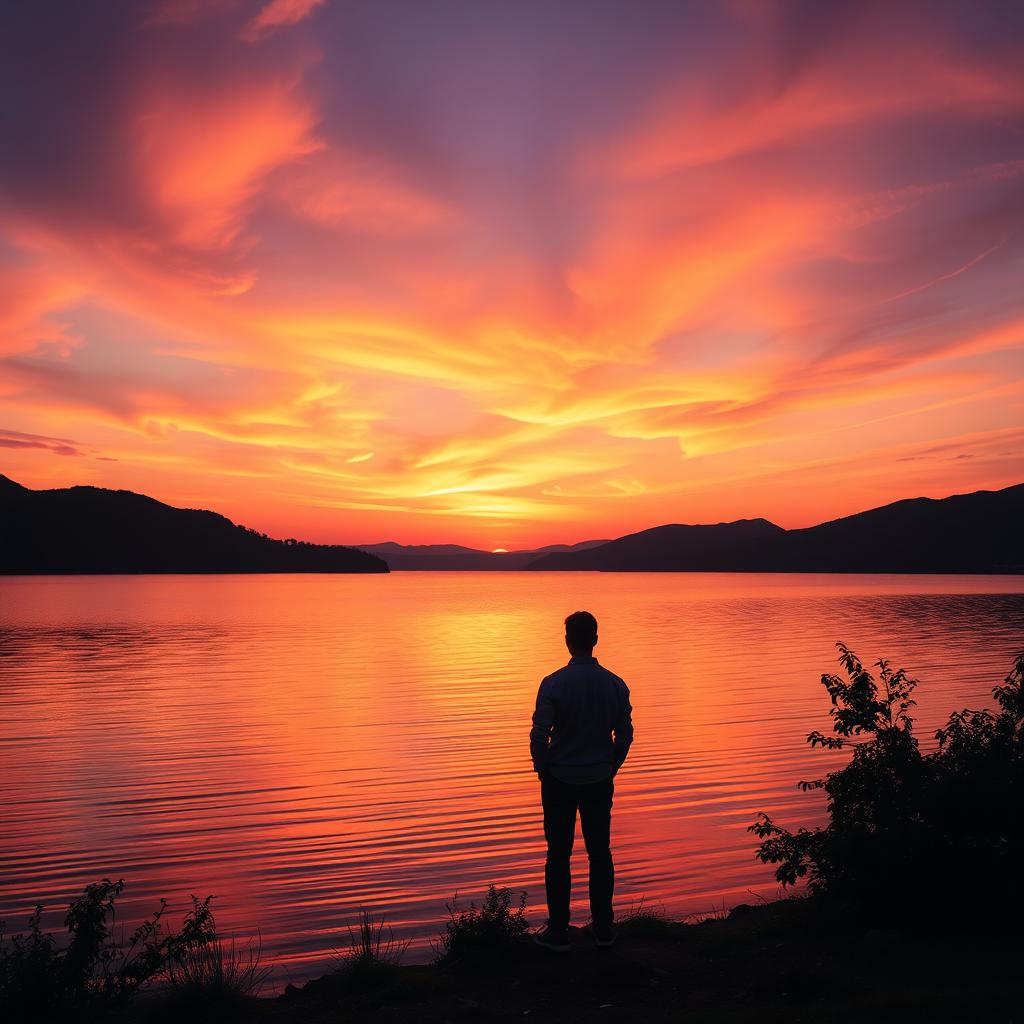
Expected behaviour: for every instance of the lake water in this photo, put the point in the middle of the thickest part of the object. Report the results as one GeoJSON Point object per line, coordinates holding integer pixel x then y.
{"type": "Point", "coordinates": [305, 746]}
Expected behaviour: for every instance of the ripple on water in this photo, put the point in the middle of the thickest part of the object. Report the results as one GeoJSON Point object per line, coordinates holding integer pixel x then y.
{"type": "Point", "coordinates": [304, 746]}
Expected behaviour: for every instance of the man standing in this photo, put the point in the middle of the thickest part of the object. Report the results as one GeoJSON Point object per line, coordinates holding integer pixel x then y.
{"type": "Point", "coordinates": [582, 729]}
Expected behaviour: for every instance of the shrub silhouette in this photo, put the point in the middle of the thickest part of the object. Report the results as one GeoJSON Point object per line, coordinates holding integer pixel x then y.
{"type": "Point", "coordinates": [486, 932]}
{"type": "Point", "coordinates": [908, 829]}
{"type": "Point", "coordinates": [95, 970]}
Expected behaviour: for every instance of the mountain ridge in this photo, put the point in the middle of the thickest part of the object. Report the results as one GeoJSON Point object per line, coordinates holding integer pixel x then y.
{"type": "Point", "coordinates": [975, 532]}
{"type": "Point", "coordinates": [84, 529]}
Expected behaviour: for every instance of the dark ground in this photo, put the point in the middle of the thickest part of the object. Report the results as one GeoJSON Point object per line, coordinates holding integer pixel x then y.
{"type": "Point", "coordinates": [789, 961]}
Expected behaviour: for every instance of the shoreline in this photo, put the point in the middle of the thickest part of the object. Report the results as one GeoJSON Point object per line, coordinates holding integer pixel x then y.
{"type": "Point", "coordinates": [795, 959]}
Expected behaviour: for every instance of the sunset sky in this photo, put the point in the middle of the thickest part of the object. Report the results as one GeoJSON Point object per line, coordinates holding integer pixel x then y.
{"type": "Point", "coordinates": [513, 273]}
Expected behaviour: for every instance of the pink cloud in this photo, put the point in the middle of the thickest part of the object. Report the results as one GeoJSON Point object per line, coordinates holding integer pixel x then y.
{"type": "Point", "coordinates": [279, 14]}
{"type": "Point", "coordinates": [546, 270]}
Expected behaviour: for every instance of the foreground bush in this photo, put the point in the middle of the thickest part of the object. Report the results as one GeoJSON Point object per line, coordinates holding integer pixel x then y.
{"type": "Point", "coordinates": [486, 932]}
{"type": "Point", "coordinates": [906, 828]}
{"type": "Point", "coordinates": [95, 970]}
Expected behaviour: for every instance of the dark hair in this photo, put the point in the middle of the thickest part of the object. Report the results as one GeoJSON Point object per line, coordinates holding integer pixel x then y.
{"type": "Point", "coordinates": [581, 629]}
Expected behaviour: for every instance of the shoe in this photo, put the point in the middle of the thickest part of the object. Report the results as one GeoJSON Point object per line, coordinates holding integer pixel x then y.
{"type": "Point", "coordinates": [605, 936]}
{"type": "Point", "coordinates": [555, 939]}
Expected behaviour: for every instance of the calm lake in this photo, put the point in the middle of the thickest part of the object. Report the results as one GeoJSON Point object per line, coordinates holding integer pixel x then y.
{"type": "Point", "coordinates": [305, 746]}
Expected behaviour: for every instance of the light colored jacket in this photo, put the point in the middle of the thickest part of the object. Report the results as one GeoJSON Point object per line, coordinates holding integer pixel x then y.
{"type": "Point", "coordinates": [582, 725]}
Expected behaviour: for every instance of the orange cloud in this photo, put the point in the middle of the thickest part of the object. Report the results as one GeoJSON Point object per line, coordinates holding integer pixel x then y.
{"type": "Point", "coordinates": [203, 158]}
{"type": "Point", "coordinates": [345, 191]}
{"type": "Point", "coordinates": [457, 279]}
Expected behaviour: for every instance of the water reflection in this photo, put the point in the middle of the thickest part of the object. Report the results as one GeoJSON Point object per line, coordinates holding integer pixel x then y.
{"type": "Point", "coordinates": [302, 746]}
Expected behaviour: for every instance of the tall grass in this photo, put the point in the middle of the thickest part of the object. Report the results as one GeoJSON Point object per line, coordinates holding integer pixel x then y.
{"type": "Point", "coordinates": [646, 921]}
{"type": "Point", "coordinates": [372, 953]}
{"type": "Point", "coordinates": [220, 970]}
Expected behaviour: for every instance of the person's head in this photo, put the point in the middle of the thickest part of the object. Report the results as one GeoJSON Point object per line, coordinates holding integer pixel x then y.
{"type": "Point", "coordinates": [580, 633]}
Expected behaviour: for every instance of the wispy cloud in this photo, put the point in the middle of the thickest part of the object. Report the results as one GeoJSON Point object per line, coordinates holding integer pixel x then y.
{"type": "Point", "coordinates": [279, 14]}
{"type": "Point", "coordinates": [56, 445]}
{"type": "Point", "coordinates": [509, 273]}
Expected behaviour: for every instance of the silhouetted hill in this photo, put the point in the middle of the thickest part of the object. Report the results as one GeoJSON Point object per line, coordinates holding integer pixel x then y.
{"type": "Point", "coordinates": [979, 532]}
{"type": "Point", "coordinates": [671, 548]}
{"type": "Point", "coordinates": [456, 558]}
{"type": "Point", "coordinates": [11, 487]}
{"type": "Point", "coordinates": [93, 530]}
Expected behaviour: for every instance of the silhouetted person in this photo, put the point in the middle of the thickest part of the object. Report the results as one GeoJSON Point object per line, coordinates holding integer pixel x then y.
{"type": "Point", "coordinates": [582, 729]}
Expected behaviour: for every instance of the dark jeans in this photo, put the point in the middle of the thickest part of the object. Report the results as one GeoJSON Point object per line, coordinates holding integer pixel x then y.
{"type": "Point", "coordinates": [561, 800]}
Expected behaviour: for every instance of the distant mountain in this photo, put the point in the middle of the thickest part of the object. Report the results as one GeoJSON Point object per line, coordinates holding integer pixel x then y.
{"type": "Point", "coordinates": [93, 530]}
{"type": "Point", "coordinates": [980, 532]}
{"type": "Point", "coordinates": [582, 545]}
{"type": "Point", "coordinates": [456, 558]}
{"type": "Point", "coordinates": [671, 548]}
